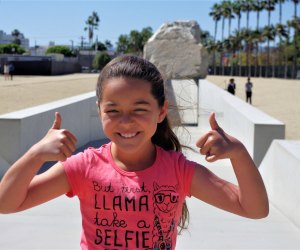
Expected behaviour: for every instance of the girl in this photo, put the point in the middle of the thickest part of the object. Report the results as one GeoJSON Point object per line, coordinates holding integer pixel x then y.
{"type": "Point", "coordinates": [132, 190]}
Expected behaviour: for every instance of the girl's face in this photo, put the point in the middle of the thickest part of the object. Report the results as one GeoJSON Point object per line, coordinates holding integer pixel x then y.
{"type": "Point", "coordinates": [130, 114]}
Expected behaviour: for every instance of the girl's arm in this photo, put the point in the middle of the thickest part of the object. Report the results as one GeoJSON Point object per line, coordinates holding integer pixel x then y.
{"type": "Point", "coordinates": [21, 188]}
{"type": "Point", "coordinates": [249, 198]}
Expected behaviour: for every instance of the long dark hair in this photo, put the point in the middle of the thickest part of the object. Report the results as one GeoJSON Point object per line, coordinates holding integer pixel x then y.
{"type": "Point", "coordinates": [139, 68]}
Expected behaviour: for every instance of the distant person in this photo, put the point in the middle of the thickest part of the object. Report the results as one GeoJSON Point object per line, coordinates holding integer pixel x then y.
{"type": "Point", "coordinates": [209, 70]}
{"type": "Point", "coordinates": [231, 86]}
{"type": "Point", "coordinates": [6, 71]}
{"type": "Point", "coordinates": [248, 89]}
{"type": "Point", "coordinates": [11, 69]}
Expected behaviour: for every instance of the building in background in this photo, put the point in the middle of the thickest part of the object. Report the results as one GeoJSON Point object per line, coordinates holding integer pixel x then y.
{"type": "Point", "coordinates": [8, 38]}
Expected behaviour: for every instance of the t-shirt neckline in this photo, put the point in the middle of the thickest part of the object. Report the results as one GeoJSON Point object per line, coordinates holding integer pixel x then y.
{"type": "Point", "coordinates": [134, 173]}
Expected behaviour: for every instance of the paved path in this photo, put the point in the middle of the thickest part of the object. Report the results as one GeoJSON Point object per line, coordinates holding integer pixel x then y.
{"type": "Point", "coordinates": [212, 228]}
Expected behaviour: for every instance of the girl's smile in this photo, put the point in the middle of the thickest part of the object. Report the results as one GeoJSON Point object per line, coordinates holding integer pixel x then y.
{"type": "Point", "coordinates": [128, 135]}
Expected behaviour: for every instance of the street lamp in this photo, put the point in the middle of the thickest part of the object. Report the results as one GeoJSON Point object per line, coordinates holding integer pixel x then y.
{"type": "Point", "coordinates": [72, 44]}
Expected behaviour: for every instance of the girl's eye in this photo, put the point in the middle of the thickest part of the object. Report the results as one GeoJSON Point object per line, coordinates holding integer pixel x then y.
{"type": "Point", "coordinates": [140, 110]}
{"type": "Point", "coordinates": [111, 111]}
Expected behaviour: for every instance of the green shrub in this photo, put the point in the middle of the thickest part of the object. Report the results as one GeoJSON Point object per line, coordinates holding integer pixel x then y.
{"type": "Point", "coordinates": [101, 59]}
{"type": "Point", "coordinates": [11, 48]}
{"type": "Point", "coordinates": [59, 49]}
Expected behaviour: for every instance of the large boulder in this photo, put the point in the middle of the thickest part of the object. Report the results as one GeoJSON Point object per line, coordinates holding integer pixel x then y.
{"type": "Point", "coordinates": [176, 51]}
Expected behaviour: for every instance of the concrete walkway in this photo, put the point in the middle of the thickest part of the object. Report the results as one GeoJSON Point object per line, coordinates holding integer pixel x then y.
{"type": "Point", "coordinates": [57, 224]}
{"type": "Point", "coordinates": [212, 228]}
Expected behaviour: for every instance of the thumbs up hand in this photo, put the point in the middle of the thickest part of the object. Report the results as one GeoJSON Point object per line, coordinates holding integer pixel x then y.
{"type": "Point", "coordinates": [216, 144]}
{"type": "Point", "coordinates": [58, 144]}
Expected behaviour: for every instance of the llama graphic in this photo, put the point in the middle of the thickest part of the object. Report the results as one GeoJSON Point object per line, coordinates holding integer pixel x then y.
{"type": "Point", "coordinates": [165, 204]}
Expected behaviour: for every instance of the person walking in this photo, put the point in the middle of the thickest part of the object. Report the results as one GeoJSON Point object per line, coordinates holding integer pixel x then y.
{"type": "Point", "coordinates": [6, 71]}
{"type": "Point", "coordinates": [231, 86]}
{"type": "Point", "coordinates": [11, 69]}
{"type": "Point", "coordinates": [248, 89]}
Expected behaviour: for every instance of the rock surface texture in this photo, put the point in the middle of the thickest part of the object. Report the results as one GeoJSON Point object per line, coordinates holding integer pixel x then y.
{"type": "Point", "coordinates": [176, 51]}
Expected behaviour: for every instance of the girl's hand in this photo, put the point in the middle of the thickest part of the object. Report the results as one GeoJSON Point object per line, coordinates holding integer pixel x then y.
{"type": "Point", "coordinates": [216, 144]}
{"type": "Point", "coordinates": [57, 145]}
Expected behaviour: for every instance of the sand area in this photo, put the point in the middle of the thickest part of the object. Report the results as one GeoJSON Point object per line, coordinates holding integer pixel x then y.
{"type": "Point", "coordinates": [28, 91]}
{"type": "Point", "coordinates": [277, 97]}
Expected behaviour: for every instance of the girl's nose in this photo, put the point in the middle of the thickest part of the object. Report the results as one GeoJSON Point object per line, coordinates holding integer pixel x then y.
{"type": "Point", "coordinates": [126, 119]}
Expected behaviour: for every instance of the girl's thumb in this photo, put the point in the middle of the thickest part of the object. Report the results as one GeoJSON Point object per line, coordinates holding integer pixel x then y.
{"type": "Point", "coordinates": [57, 121]}
{"type": "Point", "coordinates": [212, 121]}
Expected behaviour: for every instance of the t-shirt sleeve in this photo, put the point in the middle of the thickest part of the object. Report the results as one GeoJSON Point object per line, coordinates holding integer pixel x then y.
{"type": "Point", "coordinates": [186, 170]}
{"type": "Point", "coordinates": [76, 169]}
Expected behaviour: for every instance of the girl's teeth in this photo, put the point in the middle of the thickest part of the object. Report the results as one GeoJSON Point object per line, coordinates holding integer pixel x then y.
{"type": "Point", "coordinates": [129, 135]}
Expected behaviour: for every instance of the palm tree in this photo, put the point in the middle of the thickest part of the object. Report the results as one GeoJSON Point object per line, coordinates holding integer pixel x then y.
{"type": "Point", "coordinates": [226, 12]}
{"type": "Point", "coordinates": [108, 44]}
{"type": "Point", "coordinates": [258, 6]}
{"type": "Point", "coordinates": [255, 39]}
{"type": "Point", "coordinates": [247, 6]}
{"type": "Point", "coordinates": [205, 37]}
{"type": "Point", "coordinates": [280, 2]}
{"type": "Point", "coordinates": [233, 45]}
{"type": "Point", "coordinates": [211, 47]}
{"type": "Point", "coordinates": [261, 39]}
{"type": "Point", "coordinates": [269, 33]}
{"type": "Point", "coordinates": [237, 36]}
{"type": "Point", "coordinates": [281, 32]}
{"type": "Point", "coordinates": [220, 49]}
{"type": "Point", "coordinates": [216, 15]}
{"type": "Point", "coordinates": [227, 48]}
{"type": "Point", "coordinates": [269, 6]}
{"type": "Point", "coordinates": [245, 35]}
{"type": "Point", "coordinates": [295, 25]}
{"type": "Point", "coordinates": [16, 33]}
{"type": "Point", "coordinates": [237, 9]}
{"type": "Point", "coordinates": [92, 24]}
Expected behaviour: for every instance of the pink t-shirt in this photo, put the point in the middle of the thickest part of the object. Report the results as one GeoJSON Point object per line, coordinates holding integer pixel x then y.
{"type": "Point", "coordinates": [129, 210]}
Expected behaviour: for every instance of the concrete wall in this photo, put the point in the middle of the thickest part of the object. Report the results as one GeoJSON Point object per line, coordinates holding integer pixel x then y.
{"type": "Point", "coordinates": [253, 127]}
{"type": "Point", "coordinates": [280, 170]}
{"type": "Point", "coordinates": [30, 65]}
{"type": "Point", "coordinates": [20, 130]}
{"type": "Point", "coordinates": [60, 68]}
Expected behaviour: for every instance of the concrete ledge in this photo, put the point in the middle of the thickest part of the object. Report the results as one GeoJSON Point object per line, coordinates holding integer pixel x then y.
{"type": "Point", "coordinates": [253, 127]}
{"type": "Point", "coordinates": [280, 170]}
{"type": "Point", "coordinates": [20, 130]}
